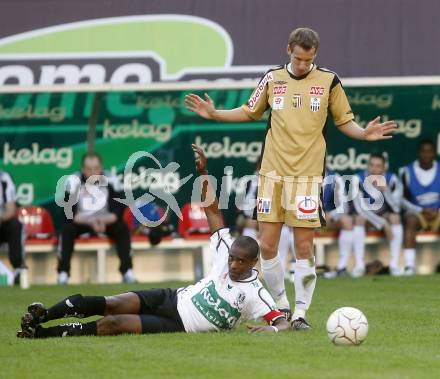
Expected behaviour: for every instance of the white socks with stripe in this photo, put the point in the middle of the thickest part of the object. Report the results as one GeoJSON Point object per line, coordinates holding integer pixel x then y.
{"type": "Point", "coordinates": [395, 246]}
{"type": "Point", "coordinates": [359, 246]}
{"type": "Point", "coordinates": [410, 257]}
{"type": "Point", "coordinates": [274, 277]}
{"type": "Point", "coordinates": [345, 242]}
{"type": "Point", "coordinates": [304, 282]}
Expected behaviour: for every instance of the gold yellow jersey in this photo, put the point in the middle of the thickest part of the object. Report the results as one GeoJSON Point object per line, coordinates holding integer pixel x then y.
{"type": "Point", "coordinates": [295, 140]}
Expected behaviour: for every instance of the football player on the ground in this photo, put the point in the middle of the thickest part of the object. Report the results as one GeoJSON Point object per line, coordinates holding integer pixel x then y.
{"type": "Point", "coordinates": [228, 296]}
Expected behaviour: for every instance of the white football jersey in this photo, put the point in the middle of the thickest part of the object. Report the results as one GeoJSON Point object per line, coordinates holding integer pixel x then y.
{"type": "Point", "coordinates": [216, 302]}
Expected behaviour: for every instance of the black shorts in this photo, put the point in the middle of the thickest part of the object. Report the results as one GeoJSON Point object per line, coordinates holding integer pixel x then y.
{"type": "Point", "coordinates": [159, 311]}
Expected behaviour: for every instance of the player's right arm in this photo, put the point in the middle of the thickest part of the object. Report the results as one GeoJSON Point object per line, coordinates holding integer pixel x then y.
{"type": "Point", "coordinates": [208, 197]}
{"type": "Point", "coordinates": [251, 111]}
{"type": "Point", "coordinates": [206, 109]}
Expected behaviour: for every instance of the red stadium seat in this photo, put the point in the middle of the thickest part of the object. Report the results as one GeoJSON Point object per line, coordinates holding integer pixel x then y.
{"type": "Point", "coordinates": [194, 223]}
{"type": "Point", "coordinates": [37, 222]}
{"type": "Point", "coordinates": [128, 219]}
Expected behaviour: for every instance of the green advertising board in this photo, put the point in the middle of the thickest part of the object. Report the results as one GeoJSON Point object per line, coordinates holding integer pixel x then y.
{"type": "Point", "coordinates": [44, 135]}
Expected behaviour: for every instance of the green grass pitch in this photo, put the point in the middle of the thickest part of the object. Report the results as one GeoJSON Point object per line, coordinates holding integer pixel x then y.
{"type": "Point", "coordinates": [403, 340]}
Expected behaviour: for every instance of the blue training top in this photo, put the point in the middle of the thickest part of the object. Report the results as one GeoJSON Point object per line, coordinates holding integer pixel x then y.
{"type": "Point", "coordinates": [424, 196]}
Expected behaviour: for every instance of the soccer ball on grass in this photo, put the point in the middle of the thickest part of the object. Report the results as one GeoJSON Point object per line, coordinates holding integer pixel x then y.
{"type": "Point", "coordinates": [347, 326]}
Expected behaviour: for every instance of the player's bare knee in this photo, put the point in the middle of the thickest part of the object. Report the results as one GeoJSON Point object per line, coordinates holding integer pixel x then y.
{"type": "Point", "coordinates": [346, 222]}
{"type": "Point", "coordinates": [304, 249]}
{"type": "Point", "coordinates": [109, 325]}
{"type": "Point", "coordinates": [394, 219]}
{"type": "Point", "coordinates": [268, 249]}
{"type": "Point", "coordinates": [411, 222]}
{"type": "Point", "coordinates": [111, 304]}
{"type": "Point", "coordinates": [359, 221]}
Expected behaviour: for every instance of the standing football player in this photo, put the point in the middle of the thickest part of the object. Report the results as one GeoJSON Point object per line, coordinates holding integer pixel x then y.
{"type": "Point", "coordinates": [299, 95]}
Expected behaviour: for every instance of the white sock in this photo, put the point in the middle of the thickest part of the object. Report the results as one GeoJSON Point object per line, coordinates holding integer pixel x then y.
{"type": "Point", "coordinates": [395, 246]}
{"type": "Point", "coordinates": [410, 257]}
{"type": "Point", "coordinates": [274, 277]}
{"type": "Point", "coordinates": [250, 232]}
{"type": "Point", "coordinates": [305, 282]}
{"type": "Point", "coordinates": [345, 242]}
{"type": "Point", "coordinates": [359, 246]}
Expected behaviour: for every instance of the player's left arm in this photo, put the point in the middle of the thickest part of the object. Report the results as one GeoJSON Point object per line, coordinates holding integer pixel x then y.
{"type": "Point", "coordinates": [263, 307]}
{"type": "Point", "coordinates": [279, 325]}
{"type": "Point", "coordinates": [344, 119]}
{"type": "Point", "coordinates": [393, 193]}
{"type": "Point", "coordinates": [374, 131]}
{"type": "Point", "coordinates": [208, 198]}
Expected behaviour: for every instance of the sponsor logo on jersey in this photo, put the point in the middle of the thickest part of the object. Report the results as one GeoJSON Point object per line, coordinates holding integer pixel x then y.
{"type": "Point", "coordinates": [278, 102]}
{"type": "Point", "coordinates": [306, 207]}
{"type": "Point", "coordinates": [214, 308]}
{"type": "Point", "coordinates": [296, 101]}
{"type": "Point", "coordinates": [316, 91]}
{"type": "Point", "coordinates": [279, 90]}
{"type": "Point", "coordinates": [280, 82]}
{"type": "Point", "coordinates": [315, 104]}
{"type": "Point", "coordinates": [428, 198]}
{"type": "Point", "coordinates": [252, 102]}
{"type": "Point", "coordinates": [264, 205]}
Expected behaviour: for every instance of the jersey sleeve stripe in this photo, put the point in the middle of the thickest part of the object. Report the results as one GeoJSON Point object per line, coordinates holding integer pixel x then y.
{"type": "Point", "coordinates": [272, 316]}
{"type": "Point", "coordinates": [262, 299]}
{"type": "Point", "coordinates": [219, 243]}
{"type": "Point", "coordinates": [335, 82]}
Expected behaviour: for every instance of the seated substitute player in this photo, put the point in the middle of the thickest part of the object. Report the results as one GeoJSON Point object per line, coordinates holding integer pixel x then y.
{"type": "Point", "coordinates": [337, 218]}
{"type": "Point", "coordinates": [421, 199]}
{"type": "Point", "coordinates": [96, 212]}
{"type": "Point", "coordinates": [299, 96]}
{"type": "Point", "coordinates": [378, 202]}
{"type": "Point", "coordinates": [230, 295]}
{"type": "Point", "coordinates": [11, 229]}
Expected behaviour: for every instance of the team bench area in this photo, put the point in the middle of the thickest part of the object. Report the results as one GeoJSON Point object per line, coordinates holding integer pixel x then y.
{"type": "Point", "coordinates": [326, 253]}
{"type": "Point", "coordinates": [185, 258]}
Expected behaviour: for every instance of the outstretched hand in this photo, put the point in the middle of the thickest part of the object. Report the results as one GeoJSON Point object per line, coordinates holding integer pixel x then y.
{"type": "Point", "coordinates": [260, 329]}
{"type": "Point", "coordinates": [200, 159]}
{"type": "Point", "coordinates": [204, 108]}
{"type": "Point", "coordinates": [377, 130]}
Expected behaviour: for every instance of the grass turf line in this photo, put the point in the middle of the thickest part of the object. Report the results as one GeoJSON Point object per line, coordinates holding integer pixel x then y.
{"type": "Point", "coordinates": [403, 340]}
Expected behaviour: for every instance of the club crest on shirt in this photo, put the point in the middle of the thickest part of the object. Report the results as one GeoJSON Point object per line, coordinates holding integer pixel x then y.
{"type": "Point", "coordinates": [315, 104]}
{"type": "Point", "coordinates": [278, 102]}
{"type": "Point", "coordinates": [238, 303]}
{"type": "Point", "coordinates": [296, 101]}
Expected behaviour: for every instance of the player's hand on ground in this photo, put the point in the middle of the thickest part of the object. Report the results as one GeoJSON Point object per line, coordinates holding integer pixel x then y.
{"type": "Point", "coordinates": [204, 108]}
{"type": "Point", "coordinates": [377, 130]}
{"type": "Point", "coordinates": [260, 329]}
{"type": "Point", "coordinates": [200, 160]}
